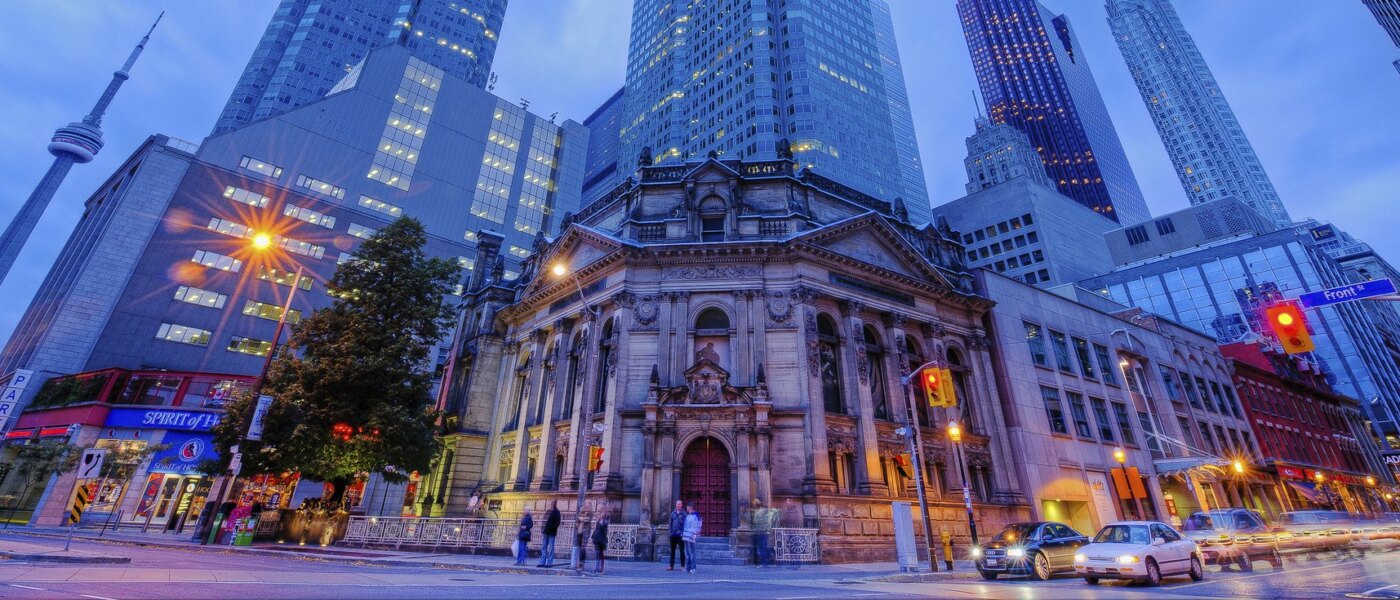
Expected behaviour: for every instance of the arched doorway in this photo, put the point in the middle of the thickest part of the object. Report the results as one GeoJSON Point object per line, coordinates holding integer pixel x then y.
{"type": "Point", "coordinates": [705, 483]}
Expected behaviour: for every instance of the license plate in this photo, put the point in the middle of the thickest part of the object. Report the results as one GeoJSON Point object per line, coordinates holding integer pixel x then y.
{"type": "Point", "coordinates": [994, 562]}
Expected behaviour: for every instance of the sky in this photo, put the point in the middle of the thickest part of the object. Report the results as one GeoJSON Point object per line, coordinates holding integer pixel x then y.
{"type": "Point", "coordinates": [1311, 82]}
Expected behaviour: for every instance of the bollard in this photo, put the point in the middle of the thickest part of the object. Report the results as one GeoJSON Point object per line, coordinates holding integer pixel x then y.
{"type": "Point", "coordinates": [947, 548]}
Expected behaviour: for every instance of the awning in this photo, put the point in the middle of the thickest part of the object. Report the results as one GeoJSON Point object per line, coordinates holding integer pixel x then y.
{"type": "Point", "coordinates": [1181, 466]}
{"type": "Point", "coordinates": [1307, 490]}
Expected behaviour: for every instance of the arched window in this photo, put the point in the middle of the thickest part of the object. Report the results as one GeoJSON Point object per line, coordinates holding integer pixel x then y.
{"type": "Point", "coordinates": [915, 359]}
{"type": "Point", "coordinates": [829, 364]}
{"type": "Point", "coordinates": [522, 369]}
{"type": "Point", "coordinates": [969, 413]}
{"type": "Point", "coordinates": [566, 409]}
{"type": "Point", "coordinates": [875, 355]}
{"type": "Point", "coordinates": [712, 320]}
{"type": "Point", "coordinates": [605, 354]}
{"type": "Point", "coordinates": [537, 416]}
{"type": "Point", "coordinates": [712, 335]}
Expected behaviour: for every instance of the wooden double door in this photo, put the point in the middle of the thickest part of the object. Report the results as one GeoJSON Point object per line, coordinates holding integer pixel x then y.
{"type": "Point", "coordinates": [705, 482]}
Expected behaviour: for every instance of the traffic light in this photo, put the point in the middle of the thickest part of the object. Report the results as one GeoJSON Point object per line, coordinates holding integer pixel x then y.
{"type": "Point", "coordinates": [937, 385]}
{"type": "Point", "coordinates": [595, 458]}
{"type": "Point", "coordinates": [1286, 319]}
{"type": "Point", "coordinates": [905, 464]}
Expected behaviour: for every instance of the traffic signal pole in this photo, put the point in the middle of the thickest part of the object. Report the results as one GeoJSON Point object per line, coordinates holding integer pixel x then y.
{"type": "Point", "coordinates": [918, 439]}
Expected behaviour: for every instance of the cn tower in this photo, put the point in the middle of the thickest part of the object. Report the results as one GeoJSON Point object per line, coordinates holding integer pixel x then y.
{"type": "Point", "coordinates": [74, 143]}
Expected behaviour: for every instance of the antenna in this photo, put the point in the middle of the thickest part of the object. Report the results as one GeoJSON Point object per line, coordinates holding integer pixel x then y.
{"type": "Point", "coordinates": [976, 104]}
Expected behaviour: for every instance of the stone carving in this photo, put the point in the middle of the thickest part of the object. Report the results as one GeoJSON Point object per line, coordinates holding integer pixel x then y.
{"type": "Point", "coordinates": [713, 272]}
{"type": "Point", "coordinates": [936, 329]}
{"type": "Point", "coordinates": [978, 343]}
{"type": "Point", "coordinates": [862, 360]}
{"type": "Point", "coordinates": [780, 308]}
{"type": "Point", "coordinates": [645, 314]}
{"type": "Point", "coordinates": [813, 345]}
{"type": "Point", "coordinates": [707, 353]}
{"type": "Point", "coordinates": [841, 445]}
{"type": "Point", "coordinates": [803, 295]}
{"type": "Point", "coordinates": [612, 356]}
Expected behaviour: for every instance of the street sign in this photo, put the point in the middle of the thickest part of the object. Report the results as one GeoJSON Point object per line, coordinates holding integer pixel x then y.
{"type": "Point", "coordinates": [90, 466]}
{"type": "Point", "coordinates": [1348, 293]}
{"type": "Point", "coordinates": [235, 464]}
{"type": "Point", "coordinates": [80, 503]}
{"type": "Point", "coordinates": [9, 399]}
{"type": "Point", "coordinates": [255, 424]}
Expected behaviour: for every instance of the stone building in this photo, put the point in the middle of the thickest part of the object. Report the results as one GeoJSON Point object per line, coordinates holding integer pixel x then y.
{"type": "Point", "coordinates": [728, 332]}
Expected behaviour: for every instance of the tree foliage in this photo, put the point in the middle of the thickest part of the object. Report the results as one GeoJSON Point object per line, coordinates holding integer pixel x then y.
{"type": "Point", "coordinates": [35, 463]}
{"type": "Point", "coordinates": [355, 395]}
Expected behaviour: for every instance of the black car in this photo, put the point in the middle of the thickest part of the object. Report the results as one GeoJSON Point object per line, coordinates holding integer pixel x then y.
{"type": "Point", "coordinates": [1038, 549]}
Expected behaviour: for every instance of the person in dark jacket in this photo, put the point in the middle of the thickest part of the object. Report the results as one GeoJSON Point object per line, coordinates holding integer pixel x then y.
{"type": "Point", "coordinates": [600, 541]}
{"type": "Point", "coordinates": [676, 529]}
{"type": "Point", "coordinates": [551, 529]}
{"type": "Point", "coordinates": [522, 539]}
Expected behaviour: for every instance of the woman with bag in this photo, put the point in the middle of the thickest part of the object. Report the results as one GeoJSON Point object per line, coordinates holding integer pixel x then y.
{"type": "Point", "coordinates": [522, 539]}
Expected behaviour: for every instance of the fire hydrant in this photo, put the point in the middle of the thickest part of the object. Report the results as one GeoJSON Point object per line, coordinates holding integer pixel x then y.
{"type": "Point", "coordinates": [947, 548]}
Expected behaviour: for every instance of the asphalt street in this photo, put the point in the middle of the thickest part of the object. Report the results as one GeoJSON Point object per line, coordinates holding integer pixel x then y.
{"type": "Point", "coordinates": [211, 573]}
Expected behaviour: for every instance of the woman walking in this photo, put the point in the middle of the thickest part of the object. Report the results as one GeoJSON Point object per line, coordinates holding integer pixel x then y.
{"type": "Point", "coordinates": [691, 534]}
{"type": "Point", "coordinates": [600, 541]}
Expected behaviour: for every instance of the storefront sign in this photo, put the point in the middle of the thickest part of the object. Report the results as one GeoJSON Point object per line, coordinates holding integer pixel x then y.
{"type": "Point", "coordinates": [185, 453]}
{"type": "Point", "coordinates": [180, 420]}
{"type": "Point", "coordinates": [9, 398]}
{"type": "Point", "coordinates": [1290, 472]}
{"type": "Point", "coordinates": [1391, 457]}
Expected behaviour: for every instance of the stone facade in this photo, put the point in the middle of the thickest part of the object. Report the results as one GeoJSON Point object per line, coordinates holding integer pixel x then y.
{"type": "Point", "coordinates": [741, 336]}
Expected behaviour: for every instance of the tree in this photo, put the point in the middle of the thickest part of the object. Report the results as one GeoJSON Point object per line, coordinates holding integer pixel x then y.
{"type": "Point", "coordinates": [354, 396]}
{"type": "Point", "coordinates": [35, 463]}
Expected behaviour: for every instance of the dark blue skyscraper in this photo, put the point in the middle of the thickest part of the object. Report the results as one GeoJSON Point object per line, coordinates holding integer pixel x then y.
{"type": "Point", "coordinates": [1034, 76]}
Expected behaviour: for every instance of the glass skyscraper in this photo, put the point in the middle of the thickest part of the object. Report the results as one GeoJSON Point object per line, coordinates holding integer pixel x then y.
{"type": "Point", "coordinates": [1034, 76]}
{"type": "Point", "coordinates": [1388, 14]}
{"type": "Point", "coordinates": [310, 45]}
{"type": "Point", "coordinates": [735, 77]}
{"type": "Point", "coordinates": [1207, 147]}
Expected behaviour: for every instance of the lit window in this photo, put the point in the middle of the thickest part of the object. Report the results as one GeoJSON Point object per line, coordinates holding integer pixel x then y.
{"type": "Point", "coordinates": [183, 334]}
{"type": "Point", "coordinates": [205, 298]}
{"type": "Point", "coordinates": [518, 251]}
{"type": "Point", "coordinates": [239, 194]}
{"type": "Point", "coordinates": [271, 312]}
{"type": "Point", "coordinates": [249, 346]}
{"type": "Point", "coordinates": [360, 231]}
{"type": "Point", "coordinates": [310, 216]}
{"type": "Point", "coordinates": [262, 168]}
{"type": "Point", "coordinates": [230, 228]}
{"type": "Point", "coordinates": [282, 277]}
{"type": "Point", "coordinates": [217, 261]}
{"type": "Point", "coordinates": [320, 187]}
{"type": "Point", "coordinates": [466, 263]}
{"type": "Point", "coordinates": [380, 206]}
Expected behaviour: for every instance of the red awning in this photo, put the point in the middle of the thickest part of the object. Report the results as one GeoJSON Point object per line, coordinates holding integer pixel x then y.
{"type": "Point", "coordinates": [19, 433]}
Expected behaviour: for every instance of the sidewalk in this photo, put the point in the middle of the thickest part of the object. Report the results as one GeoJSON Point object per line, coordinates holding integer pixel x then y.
{"type": "Point", "coordinates": [12, 549]}
{"type": "Point", "coordinates": [882, 571]}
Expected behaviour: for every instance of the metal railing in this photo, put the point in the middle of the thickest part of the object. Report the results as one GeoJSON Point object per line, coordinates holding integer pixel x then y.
{"type": "Point", "coordinates": [795, 545]}
{"type": "Point", "coordinates": [474, 533]}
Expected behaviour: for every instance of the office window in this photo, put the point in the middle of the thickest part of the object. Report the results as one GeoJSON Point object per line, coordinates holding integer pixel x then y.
{"type": "Point", "coordinates": [380, 206]}
{"type": "Point", "coordinates": [320, 187]}
{"type": "Point", "coordinates": [271, 312]}
{"type": "Point", "coordinates": [1125, 424]}
{"type": "Point", "coordinates": [1086, 364]}
{"type": "Point", "coordinates": [310, 216]}
{"type": "Point", "coordinates": [205, 298]}
{"type": "Point", "coordinates": [1101, 417]}
{"type": "Point", "coordinates": [217, 261]}
{"type": "Point", "coordinates": [283, 277]}
{"type": "Point", "coordinates": [300, 247]}
{"type": "Point", "coordinates": [1136, 235]}
{"type": "Point", "coordinates": [1036, 342]}
{"type": "Point", "coordinates": [260, 167]}
{"type": "Point", "coordinates": [230, 228]}
{"type": "Point", "coordinates": [183, 334]}
{"type": "Point", "coordinates": [1106, 365]}
{"type": "Point", "coordinates": [1149, 431]}
{"type": "Point", "coordinates": [239, 194]}
{"type": "Point", "coordinates": [1061, 346]}
{"type": "Point", "coordinates": [249, 346]}
{"type": "Point", "coordinates": [1080, 413]}
{"type": "Point", "coordinates": [360, 231]}
{"type": "Point", "coordinates": [1165, 226]}
{"type": "Point", "coordinates": [1054, 410]}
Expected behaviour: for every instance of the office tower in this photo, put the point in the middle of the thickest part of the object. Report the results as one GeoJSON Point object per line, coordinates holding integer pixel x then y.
{"type": "Point", "coordinates": [600, 173]}
{"type": "Point", "coordinates": [1035, 77]}
{"type": "Point", "coordinates": [735, 77]}
{"type": "Point", "coordinates": [999, 153]}
{"type": "Point", "coordinates": [310, 45]}
{"type": "Point", "coordinates": [1207, 147]}
{"type": "Point", "coordinates": [1388, 14]}
{"type": "Point", "coordinates": [911, 166]}
{"type": "Point", "coordinates": [159, 273]}
{"type": "Point", "coordinates": [74, 143]}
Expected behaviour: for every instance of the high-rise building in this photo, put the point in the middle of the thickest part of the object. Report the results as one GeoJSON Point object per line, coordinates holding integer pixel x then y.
{"type": "Point", "coordinates": [1211, 155]}
{"type": "Point", "coordinates": [1035, 77]}
{"type": "Point", "coordinates": [310, 45]}
{"type": "Point", "coordinates": [159, 273]}
{"type": "Point", "coordinates": [1388, 14]}
{"type": "Point", "coordinates": [77, 142]}
{"type": "Point", "coordinates": [999, 153]}
{"type": "Point", "coordinates": [735, 77]}
{"type": "Point", "coordinates": [600, 170]}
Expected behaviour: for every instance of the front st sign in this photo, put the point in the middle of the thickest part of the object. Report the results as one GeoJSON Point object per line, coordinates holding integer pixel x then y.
{"type": "Point", "coordinates": [1348, 293]}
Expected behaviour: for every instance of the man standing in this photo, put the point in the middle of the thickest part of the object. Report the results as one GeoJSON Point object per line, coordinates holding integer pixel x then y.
{"type": "Point", "coordinates": [551, 529]}
{"type": "Point", "coordinates": [677, 530]}
{"type": "Point", "coordinates": [691, 534]}
{"type": "Point", "coordinates": [763, 522]}
{"type": "Point", "coordinates": [522, 539]}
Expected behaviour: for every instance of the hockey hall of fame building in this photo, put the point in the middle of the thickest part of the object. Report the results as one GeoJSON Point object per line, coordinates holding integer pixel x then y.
{"type": "Point", "coordinates": [728, 332]}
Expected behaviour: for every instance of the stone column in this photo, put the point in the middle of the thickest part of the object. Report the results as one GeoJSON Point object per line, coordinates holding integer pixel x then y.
{"type": "Point", "coordinates": [510, 355]}
{"type": "Point", "coordinates": [680, 347]}
{"type": "Point", "coordinates": [665, 321]}
{"type": "Point", "coordinates": [898, 397]}
{"type": "Point", "coordinates": [584, 400]}
{"type": "Point", "coordinates": [556, 380]}
{"type": "Point", "coordinates": [1005, 481]}
{"type": "Point", "coordinates": [740, 347]}
{"type": "Point", "coordinates": [818, 478]}
{"type": "Point", "coordinates": [614, 455]}
{"type": "Point", "coordinates": [867, 461]}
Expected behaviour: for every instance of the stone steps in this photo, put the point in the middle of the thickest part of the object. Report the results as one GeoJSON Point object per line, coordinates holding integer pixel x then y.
{"type": "Point", "coordinates": [717, 551]}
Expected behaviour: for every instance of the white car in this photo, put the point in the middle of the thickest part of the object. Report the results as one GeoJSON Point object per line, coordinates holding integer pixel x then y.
{"type": "Point", "coordinates": [1143, 551]}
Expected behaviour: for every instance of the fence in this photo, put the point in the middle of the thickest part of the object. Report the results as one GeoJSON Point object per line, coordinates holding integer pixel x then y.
{"type": "Point", "coordinates": [795, 545]}
{"type": "Point", "coordinates": [473, 533]}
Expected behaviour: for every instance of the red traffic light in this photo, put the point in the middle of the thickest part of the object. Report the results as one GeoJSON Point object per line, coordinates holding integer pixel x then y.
{"type": "Point", "coordinates": [595, 458]}
{"type": "Point", "coordinates": [1290, 327]}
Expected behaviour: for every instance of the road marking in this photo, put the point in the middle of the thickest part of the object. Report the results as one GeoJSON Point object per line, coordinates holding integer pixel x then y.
{"type": "Point", "coordinates": [28, 587]}
{"type": "Point", "coordinates": [796, 597]}
{"type": "Point", "coordinates": [1270, 574]}
{"type": "Point", "coordinates": [1384, 587]}
{"type": "Point", "coordinates": [95, 597]}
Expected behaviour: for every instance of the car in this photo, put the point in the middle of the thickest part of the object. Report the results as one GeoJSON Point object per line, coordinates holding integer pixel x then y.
{"type": "Point", "coordinates": [1145, 551]}
{"type": "Point", "coordinates": [1319, 530]}
{"type": "Point", "coordinates": [1038, 549]}
{"type": "Point", "coordinates": [1233, 536]}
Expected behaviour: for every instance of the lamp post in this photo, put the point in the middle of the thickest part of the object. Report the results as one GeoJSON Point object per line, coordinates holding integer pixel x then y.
{"type": "Point", "coordinates": [259, 242]}
{"type": "Point", "coordinates": [581, 451]}
{"type": "Point", "coordinates": [1121, 457]}
{"type": "Point", "coordinates": [1322, 488]}
{"type": "Point", "coordinates": [955, 434]}
{"type": "Point", "coordinates": [916, 441]}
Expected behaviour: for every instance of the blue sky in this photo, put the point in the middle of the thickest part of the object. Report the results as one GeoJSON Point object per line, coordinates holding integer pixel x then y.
{"type": "Point", "coordinates": [1310, 80]}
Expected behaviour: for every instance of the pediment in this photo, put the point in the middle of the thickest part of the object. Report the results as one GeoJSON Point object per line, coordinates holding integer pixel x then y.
{"type": "Point", "coordinates": [872, 240]}
{"type": "Point", "coordinates": [866, 246]}
{"type": "Point", "coordinates": [577, 248]}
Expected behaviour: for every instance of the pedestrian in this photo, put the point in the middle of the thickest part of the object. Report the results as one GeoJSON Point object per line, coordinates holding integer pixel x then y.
{"type": "Point", "coordinates": [551, 530]}
{"type": "Point", "coordinates": [691, 535]}
{"type": "Point", "coordinates": [677, 530]}
{"type": "Point", "coordinates": [522, 539]}
{"type": "Point", "coordinates": [762, 522]}
{"type": "Point", "coordinates": [600, 541]}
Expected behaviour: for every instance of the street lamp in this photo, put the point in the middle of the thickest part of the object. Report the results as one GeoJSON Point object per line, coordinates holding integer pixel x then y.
{"type": "Point", "coordinates": [1121, 457]}
{"type": "Point", "coordinates": [1239, 467]}
{"type": "Point", "coordinates": [916, 440]}
{"type": "Point", "coordinates": [955, 435]}
{"type": "Point", "coordinates": [560, 270]}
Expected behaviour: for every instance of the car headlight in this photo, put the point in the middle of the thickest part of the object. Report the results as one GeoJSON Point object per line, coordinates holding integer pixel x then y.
{"type": "Point", "coordinates": [976, 552]}
{"type": "Point", "coordinates": [1080, 558]}
{"type": "Point", "coordinates": [1127, 559]}
{"type": "Point", "coordinates": [1015, 552]}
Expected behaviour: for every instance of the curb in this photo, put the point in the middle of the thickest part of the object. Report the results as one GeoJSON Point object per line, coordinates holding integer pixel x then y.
{"type": "Point", "coordinates": [51, 558]}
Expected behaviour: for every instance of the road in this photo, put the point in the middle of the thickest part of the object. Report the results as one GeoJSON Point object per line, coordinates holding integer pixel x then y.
{"type": "Point", "coordinates": [204, 573]}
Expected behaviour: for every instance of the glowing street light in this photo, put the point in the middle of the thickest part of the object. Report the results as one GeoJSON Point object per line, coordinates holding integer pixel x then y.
{"type": "Point", "coordinates": [954, 431]}
{"type": "Point", "coordinates": [955, 435]}
{"type": "Point", "coordinates": [1119, 455]}
{"type": "Point", "coordinates": [261, 241]}
{"type": "Point", "coordinates": [1370, 480]}
{"type": "Point", "coordinates": [1239, 467]}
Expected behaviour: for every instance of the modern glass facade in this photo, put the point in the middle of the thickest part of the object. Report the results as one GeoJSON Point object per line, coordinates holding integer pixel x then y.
{"type": "Point", "coordinates": [602, 165]}
{"type": "Point", "coordinates": [1222, 290]}
{"type": "Point", "coordinates": [1387, 12]}
{"type": "Point", "coordinates": [1208, 149]}
{"type": "Point", "coordinates": [310, 45]}
{"type": "Point", "coordinates": [1034, 76]}
{"type": "Point", "coordinates": [735, 77]}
